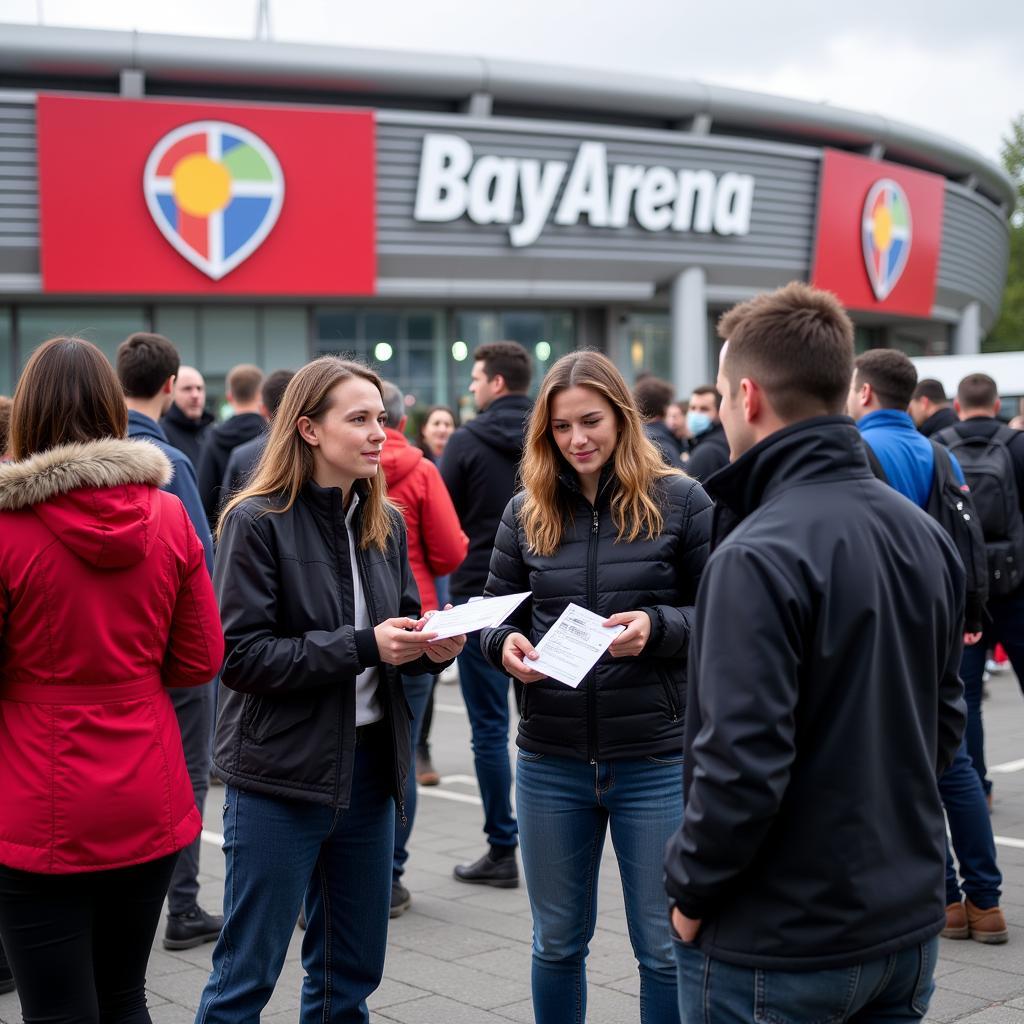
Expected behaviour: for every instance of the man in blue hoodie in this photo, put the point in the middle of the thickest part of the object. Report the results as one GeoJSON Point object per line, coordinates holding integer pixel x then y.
{"type": "Point", "coordinates": [146, 366]}
{"type": "Point", "coordinates": [883, 385]}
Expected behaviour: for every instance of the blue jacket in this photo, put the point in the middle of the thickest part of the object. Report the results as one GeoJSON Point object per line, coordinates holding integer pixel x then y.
{"type": "Point", "coordinates": [906, 455]}
{"type": "Point", "coordinates": [183, 483]}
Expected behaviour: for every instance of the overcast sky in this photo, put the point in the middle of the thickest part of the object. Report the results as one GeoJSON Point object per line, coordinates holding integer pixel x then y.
{"type": "Point", "coordinates": [952, 66]}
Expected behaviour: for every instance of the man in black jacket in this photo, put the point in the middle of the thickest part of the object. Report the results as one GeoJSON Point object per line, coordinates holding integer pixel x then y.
{"type": "Point", "coordinates": [653, 397]}
{"type": "Point", "coordinates": [243, 459]}
{"type": "Point", "coordinates": [243, 394]}
{"type": "Point", "coordinates": [823, 701]}
{"type": "Point", "coordinates": [978, 405]}
{"type": "Point", "coordinates": [710, 451]}
{"type": "Point", "coordinates": [187, 423]}
{"type": "Point", "coordinates": [479, 468]}
{"type": "Point", "coordinates": [929, 407]}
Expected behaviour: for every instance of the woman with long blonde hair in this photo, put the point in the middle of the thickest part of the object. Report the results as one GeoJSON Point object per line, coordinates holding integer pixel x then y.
{"type": "Point", "coordinates": [320, 610]}
{"type": "Point", "coordinates": [602, 522]}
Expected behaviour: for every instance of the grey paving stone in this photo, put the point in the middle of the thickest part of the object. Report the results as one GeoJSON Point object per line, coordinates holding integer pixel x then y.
{"type": "Point", "coordinates": [440, 1010]}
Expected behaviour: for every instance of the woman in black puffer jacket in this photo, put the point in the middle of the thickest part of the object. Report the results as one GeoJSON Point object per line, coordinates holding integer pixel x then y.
{"type": "Point", "coordinates": [603, 523]}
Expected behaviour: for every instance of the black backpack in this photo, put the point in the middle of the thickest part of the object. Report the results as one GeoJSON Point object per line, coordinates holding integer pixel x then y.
{"type": "Point", "coordinates": [950, 505]}
{"type": "Point", "coordinates": [989, 470]}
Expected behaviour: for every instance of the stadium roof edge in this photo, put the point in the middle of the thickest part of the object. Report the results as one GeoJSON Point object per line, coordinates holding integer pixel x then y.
{"type": "Point", "coordinates": [45, 50]}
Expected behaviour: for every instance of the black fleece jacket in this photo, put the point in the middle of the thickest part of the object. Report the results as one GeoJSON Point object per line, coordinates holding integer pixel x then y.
{"type": "Point", "coordinates": [824, 700]}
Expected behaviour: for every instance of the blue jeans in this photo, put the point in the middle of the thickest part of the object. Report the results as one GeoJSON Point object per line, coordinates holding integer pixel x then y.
{"type": "Point", "coordinates": [277, 848]}
{"type": "Point", "coordinates": [1006, 628]}
{"type": "Point", "coordinates": [565, 809]}
{"type": "Point", "coordinates": [417, 693]}
{"type": "Point", "coordinates": [485, 691]}
{"type": "Point", "coordinates": [971, 828]}
{"type": "Point", "coordinates": [892, 988]}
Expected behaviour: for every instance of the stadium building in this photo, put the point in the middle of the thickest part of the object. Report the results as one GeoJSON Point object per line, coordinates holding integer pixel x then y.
{"type": "Point", "coordinates": [267, 202]}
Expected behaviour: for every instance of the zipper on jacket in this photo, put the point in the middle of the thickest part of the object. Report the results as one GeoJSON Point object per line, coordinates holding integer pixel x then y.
{"type": "Point", "coordinates": [592, 602]}
{"type": "Point", "coordinates": [670, 694]}
{"type": "Point", "coordinates": [383, 687]}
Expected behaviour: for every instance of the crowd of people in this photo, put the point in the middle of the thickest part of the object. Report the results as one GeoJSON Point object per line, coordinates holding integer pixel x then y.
{"type": "Point", "coordinates": [805, 563]}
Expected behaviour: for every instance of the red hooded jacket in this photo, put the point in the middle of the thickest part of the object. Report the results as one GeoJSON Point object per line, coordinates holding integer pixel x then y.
{"type": "Point", "coordinates": [437, 544]}
{"type": "Point", "coordinates": [105, 600]}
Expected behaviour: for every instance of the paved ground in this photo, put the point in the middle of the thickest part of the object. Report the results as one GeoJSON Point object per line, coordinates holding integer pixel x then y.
{"type": "Point", "coordinates": [461, 955]}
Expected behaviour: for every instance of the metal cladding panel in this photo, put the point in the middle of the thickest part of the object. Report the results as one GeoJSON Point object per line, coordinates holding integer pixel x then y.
{"type": "Point", "coordinates": [975, 253]}
{"type": "Point", "coordinates": [779, 241]}
{"type": "Point", "coordinates": [19, 195]}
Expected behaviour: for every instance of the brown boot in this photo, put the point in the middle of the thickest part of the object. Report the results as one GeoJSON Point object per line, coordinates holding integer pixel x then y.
{"type": "Point", "coordinates": [988, 926]}
{"type": "Point", "coordinates": [956, 922]}
{"type": "Point", "coordinates": [426, 774]}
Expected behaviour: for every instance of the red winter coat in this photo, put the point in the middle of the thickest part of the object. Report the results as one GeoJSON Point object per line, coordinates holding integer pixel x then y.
{"type": "Point", "coordinates": [105, 600]}
{"type": "Point", "coordinates": [437, 544]}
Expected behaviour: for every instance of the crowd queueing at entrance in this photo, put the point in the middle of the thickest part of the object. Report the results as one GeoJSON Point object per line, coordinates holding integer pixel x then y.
{"type": "Point", "coordinates": [805, 566]}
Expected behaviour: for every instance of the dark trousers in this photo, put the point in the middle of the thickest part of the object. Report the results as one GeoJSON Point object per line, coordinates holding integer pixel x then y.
{"type": "Point", "coordinates": [79, 944]}
{"type": "Point", "coordinates": [485, 691]}
{"type": "Point", "coordinates": [1006, 628]}
{"type": "Point", "coordinates": [194, 708]}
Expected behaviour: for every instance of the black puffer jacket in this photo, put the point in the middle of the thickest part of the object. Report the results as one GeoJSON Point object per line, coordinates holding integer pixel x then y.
{"type": "Point", "coordinates": [710, 453]}
{"type": "Point", "coordinates": [626, 707]}
{"type": "Point", "coordinates": [187, 435]}
{"type": "Point", "coordinates": [286, 725]}
{"type": "Point", "coordinates": [823, 700]}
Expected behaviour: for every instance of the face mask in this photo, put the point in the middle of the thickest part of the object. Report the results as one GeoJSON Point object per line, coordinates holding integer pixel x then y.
{"type": "Point", "coordinates": [698, 422]}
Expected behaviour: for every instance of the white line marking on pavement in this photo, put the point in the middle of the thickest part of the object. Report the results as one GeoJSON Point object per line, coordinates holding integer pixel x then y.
{"type": "Point", "coordinates": [1007, 767]}
{"type": "Point", "coordinates": [444, 794]}
{"type": "Point", "coordinates": [215, 838]}
{"type": "Point", "coordinates": [1009, 841]}
{"type": "Point", "coordinates": [468, 780]}
{"type": "Point", "coordinates": [452, 709]}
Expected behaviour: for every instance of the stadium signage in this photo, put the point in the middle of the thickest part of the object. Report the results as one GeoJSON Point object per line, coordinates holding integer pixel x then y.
{"type": "Point", "coordinates": [528, 194]}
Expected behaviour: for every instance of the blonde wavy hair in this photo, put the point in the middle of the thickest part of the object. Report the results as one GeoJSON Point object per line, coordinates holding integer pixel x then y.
{"type": "Point", "coordinates": [638, 463]}
{"type": "Point", "coordinates": [287, 462]}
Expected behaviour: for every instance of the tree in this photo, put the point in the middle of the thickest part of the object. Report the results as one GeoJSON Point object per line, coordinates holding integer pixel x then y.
{"type": "Point", "coordinates": [1007, 334]}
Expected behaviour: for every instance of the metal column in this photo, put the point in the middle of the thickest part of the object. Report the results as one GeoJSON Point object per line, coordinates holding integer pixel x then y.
{"type": "Point", "coordinates": [689, 315]}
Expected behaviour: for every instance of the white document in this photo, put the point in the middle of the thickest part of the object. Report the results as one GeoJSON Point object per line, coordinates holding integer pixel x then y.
{"type": "Point", "coordinates": [476, 614]}
{"type": "Point", "coordinates": [571, 647]}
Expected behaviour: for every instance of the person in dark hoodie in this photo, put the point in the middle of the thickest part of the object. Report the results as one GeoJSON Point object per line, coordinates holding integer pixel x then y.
{"type": "Point", "coordinates": [479, 467]}
{"type": "Point", "coordinates": [187, 422]}
{"type": "Point", "coordinates": [930, 409]}
{"type": "Point", "coordinates": [243, 394]}
{"type": "Point", "coordinates": [243, 459]}
{"type": "Point", "coordinates": [653, 396]}
{"type": "Point", "coordinates": [146, 367]}
{"type": "Point", "coordinates": [823, 702]}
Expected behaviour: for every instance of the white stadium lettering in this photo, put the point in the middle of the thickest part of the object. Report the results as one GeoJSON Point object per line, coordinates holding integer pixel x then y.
{"type": "Point", "coordinates": [454, 183]}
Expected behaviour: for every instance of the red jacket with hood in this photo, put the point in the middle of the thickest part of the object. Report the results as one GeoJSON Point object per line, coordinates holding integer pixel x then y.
{"type": "Point", "coordinates": [437, 544]}
{"type": "Point", "coordinates": [105, 600]}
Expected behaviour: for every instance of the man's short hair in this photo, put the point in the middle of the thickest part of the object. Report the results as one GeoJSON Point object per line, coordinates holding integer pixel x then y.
{"type": "Point", "coordinates": [653, 396]}
{"type": "Point", "coordinates": [274, 388]}
{"type": "Point", "coordinates": [144, 362]}
{"type": "Point", "coordinates": [931, 389]}
{"type": "Point", "coordinates": [508, 358]}
{"type": "Point", "coordinates": [394, 403]}
{"type": "Point", "coordinates": [977, 391]}
{"type": "Point", "coordinates": [890, 373]}
{"type": "Point", "coordinates": [797, 343]}
{"type": "Point", "coordinates": [709, 389]}
{"type": "Point", "coordinates": [244, 382]}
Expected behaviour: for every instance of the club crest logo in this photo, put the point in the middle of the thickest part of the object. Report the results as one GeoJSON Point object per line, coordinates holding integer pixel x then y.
{"type": "Point", "coordinates": [215, 191]}
{"type": "Point", "coordinates": [886, 234]}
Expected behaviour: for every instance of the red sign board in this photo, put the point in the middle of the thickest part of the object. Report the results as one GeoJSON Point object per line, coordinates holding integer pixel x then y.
{"type": "Point", "coordinates": [879, 234]}
{"type": "Point", "coordinates": [149, 197]}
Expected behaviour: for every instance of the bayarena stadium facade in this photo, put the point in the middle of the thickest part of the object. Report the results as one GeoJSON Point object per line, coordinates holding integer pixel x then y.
{"type": "Point", "coordinates": [267, 202]}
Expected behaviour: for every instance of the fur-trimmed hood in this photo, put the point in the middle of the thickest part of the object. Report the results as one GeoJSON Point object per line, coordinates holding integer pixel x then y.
{"type": "Point", "coordinates": [97, 497]}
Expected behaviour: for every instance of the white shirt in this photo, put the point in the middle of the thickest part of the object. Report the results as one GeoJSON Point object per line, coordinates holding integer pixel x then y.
{"type": "Point", "coordinates": [367, 703]}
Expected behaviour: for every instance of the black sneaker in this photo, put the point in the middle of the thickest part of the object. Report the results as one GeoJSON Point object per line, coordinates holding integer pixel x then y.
{"type": "Point", "coordinates": [500, 873]}
{"type": "Point", "coordinates": [192, 929]}
{"type": "Point", "coordinates": [6, 978]}
{"type": "Point", "coordinates": [401, 899]}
